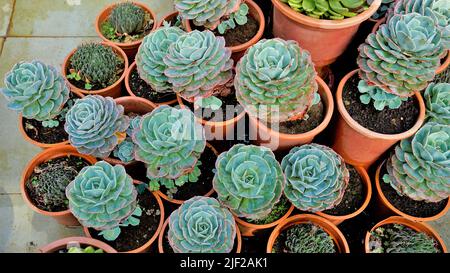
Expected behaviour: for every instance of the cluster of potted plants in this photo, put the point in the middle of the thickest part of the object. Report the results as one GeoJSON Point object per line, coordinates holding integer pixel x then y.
{"type": "Point", "coordinates": [115, 164]}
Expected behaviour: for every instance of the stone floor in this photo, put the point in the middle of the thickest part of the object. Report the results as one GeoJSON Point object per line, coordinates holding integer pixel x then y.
{"type": "Point", "coordinates": [48, 30]}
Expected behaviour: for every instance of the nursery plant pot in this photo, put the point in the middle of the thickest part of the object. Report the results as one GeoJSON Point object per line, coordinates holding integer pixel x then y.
{"type": "Point", "coordinates": [111, 91]}
{"type": "Point", "coordinates": [166, 224]}
{"type": "Point", "coordinates": [130, 70]}
{"type": "Point", "coordinates": [337, 219]}
{"type": "Point", "coordinates": [83, 241]}
{"type": "Point", "coordinates": [417, 226]}
{"type": "Point", "coordinates": [326, 40]}
{"type": "Point", "coordinates": [384, 207]}
{"type": "Point", "coordinates": [62, 217]}
{"type": "Point", "coordinates": [330, 228]}
{"type": "Point", "coordinates": [130, 49]}
{"type": "Point", "coordinates": [358, 145]}
{"type": "Point", "coordinates": [280, 141]}
{"type": "Point", "coordinates": [144, 248]}
{"type": "Point", "coordinates": [239, 50]}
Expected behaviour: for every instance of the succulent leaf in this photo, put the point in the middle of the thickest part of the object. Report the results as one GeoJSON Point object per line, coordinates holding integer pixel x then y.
{"type": "Point", "coordinates": [328, 9]}
{"type": "Point", "coordinates": [437, 102]}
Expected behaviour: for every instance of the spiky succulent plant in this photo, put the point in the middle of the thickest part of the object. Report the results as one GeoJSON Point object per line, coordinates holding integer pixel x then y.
{"type": "Point", "coordinates": [316, 177]}
{"type": "Point", "coordinates": [102, 196]}
{"type": "Point", "coordinates": [199, 65]}
{"type": "Point", "coordinates": [248, 180]}
{"type": "Point", "coordinates": [308, 238]}
{"type": "Point", "coordinates": [437, 102]}
{"type": "Point", "coordinates": [127, 18]}
{"type": "Point", "coordinates": [420, 166]}
{"type": "Point", "coordinates": [95, 125]}
{"type": "Point", "coordinates": [125, 151]}
{"type": "Point", "coordinates": [201, 225]}
{"type": "Point", "coordinates": [402, 56]}
{"type": "Point", "coordinates": [150, 57]}
{"type": "Point", "coordinates": [36, 90]}
{"type": "Point", "coordinates": [276, 75]}
{"type": "Point", "coordinates": [379, 97]}
{"type": "Point", "coordinates": [328, 9]}
{"type": "Point", "coordinates": [170, 142]}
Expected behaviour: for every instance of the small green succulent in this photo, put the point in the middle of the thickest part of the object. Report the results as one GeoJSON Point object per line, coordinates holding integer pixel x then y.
{"type": "Point", "coordinates": [127, 18]}
{"type": "Point", "coordinates": [437, 102]}
{"type": "Point", "coordinates": [308, 238]}
{"type": "Point", "coordinates": [86, 250]}
{"type": "Point", "coordinates": [380, 98]}
{"type": "Point", "coordinates": [125, 151]}
{"type": "Point", "coordinates": [328, 9]}
{"type": "Point", "coordinates": [172, 184]}
{"type": "Point", "coordinates": [237, 18]}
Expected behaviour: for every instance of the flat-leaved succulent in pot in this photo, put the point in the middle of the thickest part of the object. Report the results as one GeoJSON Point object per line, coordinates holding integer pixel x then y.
{"type": "Point", "coordinates": [328, 9]}
{"type": "Point", "coordinates": [201, 225]}
{"type": "Point", "coordinates": [437, 103]}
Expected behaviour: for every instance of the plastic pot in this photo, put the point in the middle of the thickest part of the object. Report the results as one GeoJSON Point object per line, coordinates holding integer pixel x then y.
{"type": "Point", "coordinates": [83, 241]}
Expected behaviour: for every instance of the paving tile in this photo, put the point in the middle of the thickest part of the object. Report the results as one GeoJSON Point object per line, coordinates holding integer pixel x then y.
{"type": "Point", "coordinates": [66, 17]}
{"type": "Point", "coordinates": [1, 45]}
{"type": "Point", "coordinates": [23, 230]}
{"type": "Point", "coordinates": [6, 9]}
{"type": "Point", "coordinates": [442, 226]}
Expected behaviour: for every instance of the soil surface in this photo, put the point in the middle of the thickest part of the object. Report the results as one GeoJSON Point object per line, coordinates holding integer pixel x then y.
{"type": "Point", "coordinates": [220, 114]}
{"type": "Point", "coordinates": [141, 89]}
{"type": "Point", "coordinates": [387, 121]}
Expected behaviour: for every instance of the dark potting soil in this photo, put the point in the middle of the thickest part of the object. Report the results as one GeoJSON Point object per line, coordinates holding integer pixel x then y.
{"type": "Point", "coordinates": [130, 237]}
{"type": "Point", "coordinates": [353, 197]}
{"type": "Point", "coordinates": [220, 114]}
{"type": "Point", "coordinates": [387, 121]}
{"type": "Point", "coordinates": [278, 211]}
{"type": "Point", "coordinates": [355, 229]}
{"type": "Point", "coordinates": [408, 205]}
{"type": "Point", "coordinates": [141, 89]}
{"type": "Point", "coordinates": [45, 173]}
{"type": "Point", "coordinates": [255, 245]}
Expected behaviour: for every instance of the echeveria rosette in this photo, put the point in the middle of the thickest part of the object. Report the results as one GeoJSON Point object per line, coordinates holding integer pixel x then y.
{"type": "Point", "coordinates": [248, 180]}
{"type": "Point", "coordinates": [199, 65]}
{"type": "Point", "coordinates": [201, 225]}
{"type": "Point", "coordinates": [276, 75]}
{"type": "Point", "coordinates": [102, 196]}
{"type": "Point", "coordinates": [380, 98]}
{"type": "Point", "coordinates": [402, 56]}
{"type": "Point", "coordinates": [437, 103]}
{"type": "Point", "coordinates": [36, 90]}
{"type": "Point", "coordinates": [316, 177]}
{"type": "Point", "coordinates": [125, 151]}
{"type": "Point", "coordinates": [149, 59]}
{"type": "Point", "coordinates": [169, 141]}
{"type": "Point", "coordinates": [94, 125]}
{"type": "Point", "coordinates": [328, 9]}
{"type": "Point", "coordinates": [420, 166]}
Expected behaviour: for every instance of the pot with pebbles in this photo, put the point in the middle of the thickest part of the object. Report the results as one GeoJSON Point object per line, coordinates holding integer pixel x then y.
{"type": "Point", "coordinates": [77, 245]}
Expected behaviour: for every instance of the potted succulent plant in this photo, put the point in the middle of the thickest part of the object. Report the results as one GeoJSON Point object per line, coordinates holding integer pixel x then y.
{"type": "Point", "coordinates": [77, 245]}
{"type": "Point", "coordinates": [399, 235]}
{"type": "Point", "coordinates": [380, 14]}
{"type": "Point", "coordinates": [184, 231]}
{"type": "Point", "coordinates": [96, 69]}
{"type": "Point", "coordinates": [46, 177]}
{"type": "Point", "coordinates": [437, 98]}
{"type": "Point", "coordinates": [173, 19]}
{"type": "Point", "coordinates": [125, 24]}
{"type": "Point", "coordinates": [287, 103]}
{"type": "Point", "coordinates": [42, 97]}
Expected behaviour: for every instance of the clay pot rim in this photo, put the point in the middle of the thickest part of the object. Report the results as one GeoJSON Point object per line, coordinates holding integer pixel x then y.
{"type": "Point", "coordinates": [167, 16]}
{"type": "Point", "coordinates": [144, 247]}
{"type": "Point", "coordinates": [399, 212]}
{"type": "Point", "coordinates": [417, 226]}
{"type": "Point", "coordinates": [117, 50]}
{"type": "Point", "coordinates": [371, 134]}
{"type": "Point", "coordinates": [61, 243]}
{"type": "Point", "coordinates": [314, 219]}
{"type": "Point", "coordinates": [368, 189]}
{"type": "Point", "coordinates": [326, 24]}
{"type": "Point", "coordinates": [264, 226]}
{"type": "Point", "coordinates": [166, 223]}
{"type": "Point", "coordinates": [44, 156]}
{"type": "Point", "coordinates": [262, 25]}
{"type": "Point", "coordinates": [107, 10]}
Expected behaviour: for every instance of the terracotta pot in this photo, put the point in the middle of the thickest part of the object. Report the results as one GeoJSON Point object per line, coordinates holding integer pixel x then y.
{"type": "Point", "coordinates": [83, 241]}
{"type": "Point", "coordinates": [417, 226]}
{"type": "Point", "coordinates": [326, 40]}
{"type": "Point", "coordinates": [239, 51]}
{"type": "Point", "coordinates": [279, 141]}
{"type": "Point", "coordinates": [360, 146]}
{"type": "Point", "coordinates": [179, 202]}
{"type": "Point", "coordinates": [62, 217]}
{"type": "Point", "coordinates": [144, 248]}
{"type": "Point", "coordinates": [384, 207]}
{"type": "Point", "coordinates": [130, 92]}
{"type": "Point", "coordinates": [111, 91]}
{"type": "Point", "coordinates": [250, 230]}
{"type": "Point", "coordinates": [136, 105]}
{"type": "Point", "coordinates": [378, 24]}
{"type": "Point", "coordinates": [167, 18]}
{"type": "Point", "coordinates": [166, 223]}
{"type": "Point", "coordinates": [368, 195]}
{"type": "Point", "coordinates": [130, 49]}
{"type": "Point", "coordinates": [330, 228]}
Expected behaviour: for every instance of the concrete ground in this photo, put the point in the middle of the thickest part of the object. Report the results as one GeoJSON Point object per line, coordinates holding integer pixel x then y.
{"type": "Point", "coordinates": [48, 30]}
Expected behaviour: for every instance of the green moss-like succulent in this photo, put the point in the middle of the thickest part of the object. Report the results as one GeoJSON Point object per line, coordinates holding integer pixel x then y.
{"type": "Point", "coordinates": [379, 97]}
{"type": "Point", "coordinates": [308, 238]}
{"type": "Point", "coordinates": [328, 9]}
{"type": "Point", "coordinates": [127, 18]}
{"type": "Point", "coordinates": [437, 102]}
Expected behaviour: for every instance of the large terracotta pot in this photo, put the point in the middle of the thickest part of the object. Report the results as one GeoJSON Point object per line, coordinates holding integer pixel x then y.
{"type": "Point", "coordinates": [62, 217]}
{"type": "Point", "coordinates": [417, 226]}
{"type": "Point", "coordinates": [83, 241]}
{"type": "Point", "coordinates": [130, 49]}
{"type": "Point", "coordinates": [111, 91]}
{"type": "Point", "coordinates": [330, 228]}
{"type": "Point", "coordinates": [360, 146]}
{"type": "Point", "coordinates": [279, 141]}
{"type": "Point", "coordinates": [326, 40]}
